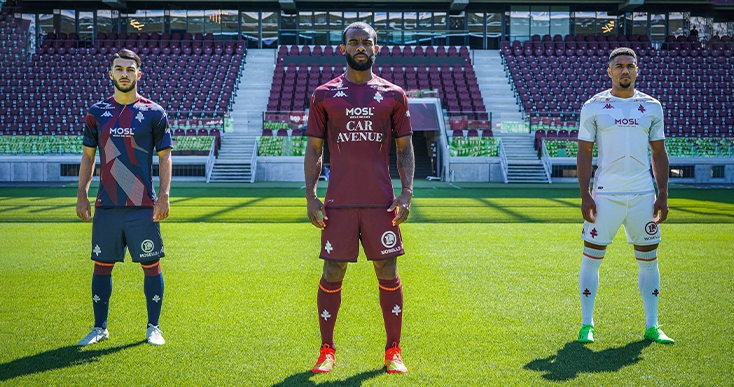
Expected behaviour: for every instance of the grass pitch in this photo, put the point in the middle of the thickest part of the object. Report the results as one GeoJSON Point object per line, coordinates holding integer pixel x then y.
{"type": "Point", "coordinates": [490, 279]}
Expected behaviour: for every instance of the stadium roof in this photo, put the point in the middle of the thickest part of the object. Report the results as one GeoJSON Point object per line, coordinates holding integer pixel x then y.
{"type": "Point", "coordinates": [456, 5]}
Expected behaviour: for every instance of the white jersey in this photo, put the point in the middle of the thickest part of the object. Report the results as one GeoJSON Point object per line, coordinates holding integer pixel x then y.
{"type": "Point", "coordinates": [622, 129]}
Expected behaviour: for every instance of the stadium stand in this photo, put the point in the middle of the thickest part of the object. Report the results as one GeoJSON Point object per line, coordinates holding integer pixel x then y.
{"type": "Point", "coordinates": [193, 77]}
{"type": "Point", "coordinates": [554, 76]}
{"type": "Point", "coordinates": [300, 70]}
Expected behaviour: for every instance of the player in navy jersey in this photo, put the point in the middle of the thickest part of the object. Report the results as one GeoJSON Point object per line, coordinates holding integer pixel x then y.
{"type": "Point", "coordinates": [623, 122]}
{"type": "Point", "coordinates": [359, 114]}
{"type": "Point", "coordinates": [127, 128]}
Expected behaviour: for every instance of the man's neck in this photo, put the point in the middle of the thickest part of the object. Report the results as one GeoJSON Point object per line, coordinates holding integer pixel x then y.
{"type": "Point", "coordinates": [623, 93]}
{"type": "Point", "coordinates": [358, 77]}
{"type": "Point", "coordinates": [126, 98]}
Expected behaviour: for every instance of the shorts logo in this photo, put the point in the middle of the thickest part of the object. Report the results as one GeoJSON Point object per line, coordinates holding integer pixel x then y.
{"type": "Point", "coordinates": [328, 247]}
{"type": "Point", "coordinates": [651, 228]}
{"type": "Point", "coordinates": [389, 239]}
{"type": "Point", "coordinates": [147, 246]}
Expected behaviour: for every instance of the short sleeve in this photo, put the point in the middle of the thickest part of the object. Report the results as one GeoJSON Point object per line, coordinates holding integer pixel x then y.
{"type": "Point", "coordinates": [587, 126]}
{"type": "Point", "coordinates": [91, 133]}
{"type": "Point", "coordinates": [657, 126]}
{"type": "Point", "coordinates": [401, 116]}
{"type": "Point", "coordinates": [162, 134]}
{"type": "Point", "coordinates": [316, 126]}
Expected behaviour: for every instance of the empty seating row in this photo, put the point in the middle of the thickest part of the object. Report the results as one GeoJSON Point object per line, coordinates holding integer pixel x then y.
{"type": "Point", "coordinates": [396, 51]}
{"type": "Point", "coordinates": [281, 146]}
{"type": "Point", "coordinates": [557, 86]}
{"type": "Point", "coordinates": [457, 85]}
{"type": "Point", "coordinates": [676, 147]}
{"type": "Point", "coordinates": [474, 146]}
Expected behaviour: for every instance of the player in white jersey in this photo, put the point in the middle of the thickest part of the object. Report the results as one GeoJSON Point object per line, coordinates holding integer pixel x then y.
{"type": "Point", "coordinates": [622, 122]}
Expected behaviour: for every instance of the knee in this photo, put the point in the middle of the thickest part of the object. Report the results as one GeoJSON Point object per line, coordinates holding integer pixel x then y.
{"type": "Point", "coordinates": [387, 269]}
{"type": "Point", "coordinates": [151, 269]}
{"type": "Point", "coordinates": [647, 248]}
{"type": "Point", "coordinates": [334, 271]}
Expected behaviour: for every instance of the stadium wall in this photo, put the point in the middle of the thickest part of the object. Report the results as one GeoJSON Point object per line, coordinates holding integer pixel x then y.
{"type": "Point", "coordinates": [281, 168]}
{"type": "Point", "coordinates": [702, 170]}
{"type": "Point", "coordinates": [475, 169]}
{"type": "Point", "coordinates": [66, 168]}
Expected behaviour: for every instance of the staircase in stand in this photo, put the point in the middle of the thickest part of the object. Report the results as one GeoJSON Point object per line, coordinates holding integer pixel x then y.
{"type": "Point", "coordinates": [523, 164]}
{"type": "Point", "coordinates": [235, 158]}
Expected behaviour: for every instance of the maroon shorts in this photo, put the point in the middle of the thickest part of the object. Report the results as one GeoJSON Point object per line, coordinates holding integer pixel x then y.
{"type": "Point", "coordinates": [346, 227]}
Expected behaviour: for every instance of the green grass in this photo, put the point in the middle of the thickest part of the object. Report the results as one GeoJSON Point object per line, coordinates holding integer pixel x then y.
{"type": "Point", "coordinates": [490, 279]}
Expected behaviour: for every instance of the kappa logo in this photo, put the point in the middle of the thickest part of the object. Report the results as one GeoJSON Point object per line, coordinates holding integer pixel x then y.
{"type": "Point", "coordinates": [340, 94]}
{"type": "Point", "coordinates": [107, 114]}
{"type": "Point", "coordinates": [641, 109]}
{"type": "Point", "coordinates": [608, 106]}
{"type": "Point", "coordinates": [378, 97]}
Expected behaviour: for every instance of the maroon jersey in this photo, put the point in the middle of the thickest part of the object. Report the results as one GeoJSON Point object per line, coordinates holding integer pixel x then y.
{"type": "Point", "coordinates": [359, 121]}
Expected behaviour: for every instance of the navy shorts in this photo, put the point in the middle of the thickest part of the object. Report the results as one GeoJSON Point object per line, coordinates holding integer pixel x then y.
{"type": "Point", "coordinates": [117, 229]}
{"type": "Point", "coordinates": [346, 227]}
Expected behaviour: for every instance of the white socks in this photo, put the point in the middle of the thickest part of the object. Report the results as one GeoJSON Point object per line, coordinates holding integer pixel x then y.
{"type": "Point", "coordinates": [649, 284]}
{"type": "Point", "coordinates": [589, 282]}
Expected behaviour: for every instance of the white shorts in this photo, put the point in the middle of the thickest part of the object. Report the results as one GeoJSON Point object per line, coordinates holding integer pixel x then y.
{"type": "Point", "coordinates": [635, 212]}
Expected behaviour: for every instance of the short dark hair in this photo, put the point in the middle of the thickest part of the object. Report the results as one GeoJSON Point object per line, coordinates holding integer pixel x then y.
{"type": "Point", "coordinates": [359, 26]}
{"type": "Point", "coordinates": [126, 54]}
{"type": "Point", "coordinates": [622, 51]}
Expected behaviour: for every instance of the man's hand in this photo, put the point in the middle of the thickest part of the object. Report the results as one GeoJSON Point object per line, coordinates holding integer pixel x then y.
{"type": "Point", "coordinates": [660, 209]}
{"type": "Point", "coordinates": [316, 213]}
{"type": "Point", "coordinates": [401, 207]}
{"type": "Point", "coordinates": [588, 208]}
{"type": "Point", "coordinates": [161, 208]}
{"type": "Point", "coordinates": [83, 208]}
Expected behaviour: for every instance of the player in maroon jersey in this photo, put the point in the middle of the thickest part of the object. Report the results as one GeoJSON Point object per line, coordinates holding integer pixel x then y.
{"type": "Point", "coordinates": [359, 113]}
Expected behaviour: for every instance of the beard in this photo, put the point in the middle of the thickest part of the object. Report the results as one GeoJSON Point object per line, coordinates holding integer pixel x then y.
{"type": "Point", "coordinates": [118, 86]}
{"type": "Point", "coordinates": [625, 84]}
{"type": "Point", "coordinates": [360, 66]}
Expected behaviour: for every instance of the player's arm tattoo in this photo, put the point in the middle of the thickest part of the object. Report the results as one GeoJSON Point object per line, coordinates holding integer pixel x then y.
{"type": "Point", "coordinates": [405, 161]}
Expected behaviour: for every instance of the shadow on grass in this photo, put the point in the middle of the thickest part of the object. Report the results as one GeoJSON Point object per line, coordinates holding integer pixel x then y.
{"type": "Point", "coordinates": [304, 379]}
{"type": "Point", "coordinates": [576, 358]}
{"type": "Point", "coordinates": [55, 359]}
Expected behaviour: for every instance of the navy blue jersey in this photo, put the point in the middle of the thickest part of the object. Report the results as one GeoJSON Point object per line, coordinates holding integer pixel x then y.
{"type": "Point", "coordinates": [127, 136]}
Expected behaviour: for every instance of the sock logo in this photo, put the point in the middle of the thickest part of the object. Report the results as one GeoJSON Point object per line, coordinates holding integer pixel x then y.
{"type": "Point", "coordinates": [156, 298]}
{"type": "Point", "coordinates": [325, 314]}
{"type": "Point", "coordinates": [586, 292]}
{"type": "Point", "coordinates": [397, 310]}
{"type": "Point", "coordinates": [655, 292]}
{"type": "Point", "coordinates": [96, 298]}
